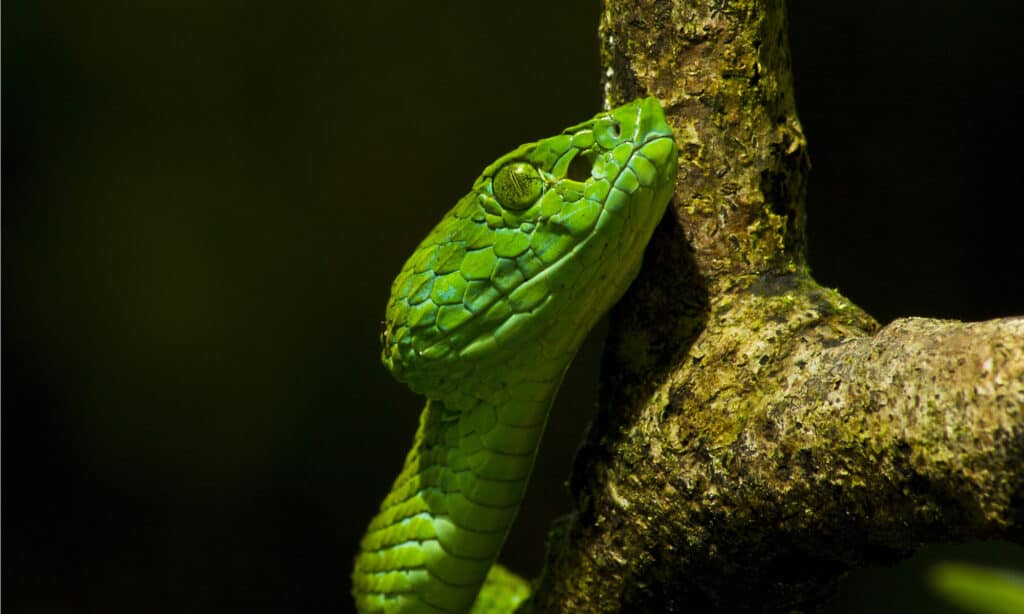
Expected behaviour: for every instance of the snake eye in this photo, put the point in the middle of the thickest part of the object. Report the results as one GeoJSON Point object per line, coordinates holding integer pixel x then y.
{"type": "Point", "coordinates": [517, 185]}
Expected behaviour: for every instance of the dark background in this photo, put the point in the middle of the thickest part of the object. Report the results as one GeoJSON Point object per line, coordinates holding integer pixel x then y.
{"type": "Point", "coordinates": [205, 203]}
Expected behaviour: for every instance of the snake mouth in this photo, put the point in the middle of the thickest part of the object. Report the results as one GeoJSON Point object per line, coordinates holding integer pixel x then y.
{"type": "Point", "coordinates": [487, 272]}
{"type": "Point", "coordinates": [610, 226]}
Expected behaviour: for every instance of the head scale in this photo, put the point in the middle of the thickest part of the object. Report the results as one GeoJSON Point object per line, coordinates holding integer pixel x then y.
{"type": "Point", "coordinates": [548, 239]}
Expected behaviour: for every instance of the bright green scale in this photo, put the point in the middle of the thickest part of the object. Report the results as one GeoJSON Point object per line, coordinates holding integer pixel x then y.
{"type": "Point", "coordinates": [484, 319]}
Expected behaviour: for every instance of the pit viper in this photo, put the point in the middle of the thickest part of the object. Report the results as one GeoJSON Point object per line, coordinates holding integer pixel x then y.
{"type": "Point", "coordinates": [484, 319]}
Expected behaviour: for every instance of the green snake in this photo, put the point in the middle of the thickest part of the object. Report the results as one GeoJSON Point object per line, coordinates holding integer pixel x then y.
{"type": "Point", "coordinates": [483, 320]}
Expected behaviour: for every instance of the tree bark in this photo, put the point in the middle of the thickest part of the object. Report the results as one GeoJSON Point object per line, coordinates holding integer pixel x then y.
{"type": "Point", "coordinates": [759, 435]}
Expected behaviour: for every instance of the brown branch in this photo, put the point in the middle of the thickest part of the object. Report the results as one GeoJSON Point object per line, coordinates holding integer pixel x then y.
{"type": "Point", "coordinates": [758, 435]}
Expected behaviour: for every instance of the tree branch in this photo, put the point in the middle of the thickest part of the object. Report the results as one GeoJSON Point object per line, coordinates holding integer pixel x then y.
{"type": "Point", "coordinates": [755, 429]}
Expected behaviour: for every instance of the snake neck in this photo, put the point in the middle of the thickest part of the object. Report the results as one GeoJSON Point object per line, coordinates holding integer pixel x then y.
{"type": "Point", "coordinates": [442, 525]}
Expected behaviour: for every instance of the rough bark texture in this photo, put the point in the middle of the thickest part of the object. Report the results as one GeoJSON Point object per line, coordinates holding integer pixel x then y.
{"type": "Point", "coordinates": [758, 434]}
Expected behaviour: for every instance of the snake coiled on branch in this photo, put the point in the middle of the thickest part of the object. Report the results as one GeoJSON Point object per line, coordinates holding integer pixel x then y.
{"type": "Point", "coordinates": [484, 319]}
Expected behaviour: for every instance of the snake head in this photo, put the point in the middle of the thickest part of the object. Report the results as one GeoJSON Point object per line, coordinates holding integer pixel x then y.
{"type": "Point", "coordinates": [516, 274]}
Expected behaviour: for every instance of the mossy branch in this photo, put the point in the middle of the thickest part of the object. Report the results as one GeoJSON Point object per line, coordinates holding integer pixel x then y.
{"type": "Point", "coordinates": [757, 430]}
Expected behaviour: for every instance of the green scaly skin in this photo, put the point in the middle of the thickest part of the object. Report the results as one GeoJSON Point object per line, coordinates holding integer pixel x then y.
{"type": "Point", "coordinates": [483, 320]}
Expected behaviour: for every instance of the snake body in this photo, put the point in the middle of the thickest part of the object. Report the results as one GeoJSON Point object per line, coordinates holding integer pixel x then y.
{"type": "Point", "coordinates": [483, 320]}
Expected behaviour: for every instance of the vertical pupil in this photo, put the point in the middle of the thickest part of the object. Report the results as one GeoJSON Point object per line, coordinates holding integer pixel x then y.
{"type": "Point", "coordinates": [516, 185]}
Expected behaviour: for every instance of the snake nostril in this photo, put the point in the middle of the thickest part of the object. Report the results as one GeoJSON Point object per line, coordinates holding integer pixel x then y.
{"type": "Point", "coordinates": [615, 130]}
{"type": "Point", "coordinates": [579, 169]}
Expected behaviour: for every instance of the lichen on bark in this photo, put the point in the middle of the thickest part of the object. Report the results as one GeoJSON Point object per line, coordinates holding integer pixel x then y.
{"type": "Point", "coordinates": [756, 429]}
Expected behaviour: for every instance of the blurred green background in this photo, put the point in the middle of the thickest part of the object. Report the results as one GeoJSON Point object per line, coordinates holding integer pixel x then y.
{"type": "Point", "coordinates": [205, 203]}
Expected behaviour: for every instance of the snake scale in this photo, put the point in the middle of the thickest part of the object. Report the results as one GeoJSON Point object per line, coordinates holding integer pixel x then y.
{"type": "Point", "coordinates": [483, 320]}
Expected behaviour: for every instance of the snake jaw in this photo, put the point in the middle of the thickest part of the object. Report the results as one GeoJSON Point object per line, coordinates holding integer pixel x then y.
{"type": "Point", "coordinates": [491, 277]}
